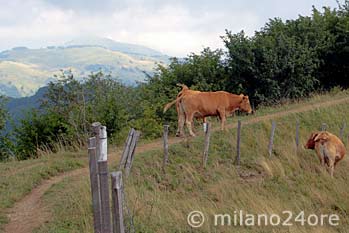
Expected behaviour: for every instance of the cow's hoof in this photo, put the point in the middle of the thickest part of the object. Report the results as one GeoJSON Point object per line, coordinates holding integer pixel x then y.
{"type": "Point", "coordinates": [180, 135]}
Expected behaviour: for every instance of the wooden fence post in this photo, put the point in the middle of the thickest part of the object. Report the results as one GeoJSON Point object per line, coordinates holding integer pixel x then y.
{"type": "Point", "coordinates": [297, 133]}
{"type": "Point", "coordinates": [104, 182]}
{"type": "Point", "coordinates": [238, 140]}
{"type": "Point", "coordinates": [165, 137]}
{"type": "Point", "coordinates": [96, 205]}
{"type": "Point", "coordinates": [96, 128]}
{"type": "Point", "coordinates": [341, 132]}
{"type": "Point", "coordinates": [117, 196]}
{"type": "Point", "coordinates": [271, 141]}
{"type": "Point", "coordinates": [125, 153]}
{"type": "Point", "coordinates": [207, 143]}
{"type": "Point", "coordinates": [323, 126]}
{"type": "Point", "coordinates": [131, 153]}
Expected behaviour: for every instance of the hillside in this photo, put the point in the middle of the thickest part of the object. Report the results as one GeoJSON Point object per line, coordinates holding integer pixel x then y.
{"type": "Point", "coordinates": [289, 180]}
{"type": "Point", "coordinates": [23, 70]}
{"type": "Point", "coordinates": [19, 107]}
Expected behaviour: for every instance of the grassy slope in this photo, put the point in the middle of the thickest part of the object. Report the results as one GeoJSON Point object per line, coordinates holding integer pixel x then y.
{"type": "Point", "coordinates": [18, 178]}
{"type": "Point", "coordinates": [25, 77]}
{"type": "Point", "coordinates": [290, 180]}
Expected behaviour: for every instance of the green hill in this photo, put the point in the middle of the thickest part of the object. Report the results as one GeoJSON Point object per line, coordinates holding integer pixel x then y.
{"type": "Point", "coordinates": [23, 70]}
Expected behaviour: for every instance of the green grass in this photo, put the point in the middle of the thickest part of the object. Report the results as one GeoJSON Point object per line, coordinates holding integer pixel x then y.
{"type": "Point", "coordinates": [18, 178]}
{"type": "Point", "coordinates": [68, 199]}
{"type": "Point", "coordinates": [289, 180]}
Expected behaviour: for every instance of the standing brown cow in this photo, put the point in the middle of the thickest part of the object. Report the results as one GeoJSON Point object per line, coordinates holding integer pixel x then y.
{"type": "Point", "coordinates": [203, 104]}
{"type": "Point", "coordinates": [329, 148]}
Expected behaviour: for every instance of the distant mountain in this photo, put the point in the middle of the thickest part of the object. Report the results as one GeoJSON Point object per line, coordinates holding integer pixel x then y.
{"type": "Point", "coordinates": [23, 71]}
{"type": "Point", "coordinates": [130, 49]}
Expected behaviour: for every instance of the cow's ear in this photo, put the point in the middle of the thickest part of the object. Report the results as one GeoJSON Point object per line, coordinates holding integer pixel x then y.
{"type": "Point", "coordinates": [321, 136]}
{"type": "Point", "coordinates": [314, 135]}
{"type": "Point", "coordinates": [245, 97]}
{"type": "Point", "coordinates": [241, 95]}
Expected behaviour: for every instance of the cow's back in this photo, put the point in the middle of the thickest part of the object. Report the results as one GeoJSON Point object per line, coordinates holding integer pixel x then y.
{"type": "Point", "coordinates": [207, 103]}
{"type": "Point", "coordinates": [340, 148]}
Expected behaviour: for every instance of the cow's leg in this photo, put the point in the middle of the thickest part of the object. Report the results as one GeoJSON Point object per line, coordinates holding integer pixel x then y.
{"type": "Point", "coordinates": [178, 119]}
{"type": "Point", "coordinates": [222, 117]}
{"type": "Point", "coordinates": [181, 120]}
{"type": "Point", "coordinates": [331, 167]}
{"type": "Point", "coordinates": [322, 160]}
{"type": "Point", "coordinates": [320, 154]}
{"type": "Point", "coordinates": [188, 121]}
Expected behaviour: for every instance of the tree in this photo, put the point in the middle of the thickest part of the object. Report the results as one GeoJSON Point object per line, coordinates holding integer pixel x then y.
{"type": "Point", "coordinates": [66, 99]}
{"type": "Point", "coordinates": [39, 131]}
{"type": "Point", "coordinates": [6, 146]}
{"type": "Point", "coordinates": [3, 113]}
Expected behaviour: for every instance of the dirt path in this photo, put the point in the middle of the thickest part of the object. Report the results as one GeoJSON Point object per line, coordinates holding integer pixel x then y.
{"type": "Point", "coordinates": [29, 213]}
{"type": "Point", "coordinates": [305, 108]}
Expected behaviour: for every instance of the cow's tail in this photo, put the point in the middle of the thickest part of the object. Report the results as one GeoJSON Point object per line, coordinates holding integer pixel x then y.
{"type": "Point", "coordinates": [169, 105]}
{"type": "Point", "coordinates": [179, 96]}
{"type": "Point", "coordinates": [183, 86]}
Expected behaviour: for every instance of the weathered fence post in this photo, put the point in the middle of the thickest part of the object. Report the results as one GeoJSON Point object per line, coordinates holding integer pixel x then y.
{"type": "Point", "coordinates": [103, 181]}
{"type": "Point", "coordinates": [270, 147]}
{"type": "Point", "coordinates": [96, 205]}
{"type": "Point", "coordinates": [117, 196]}
{"type": "Point", "coordinates": [207, 143]}
{"type": "Point", "coordinates": [323, 126]}
{"type": "Point", "coordinates": [341, 132]}
{"type": "Point", "coordinates": [96, 128]}
{"type": "Point", "coordinates": [126, 149]}
{"type": "Point", "coordinates": [297, 133]}
{"type": "Point", "coordinates": [165, 138]}
{"type": "Point", "coordinates": [131, 153]}
{"type": "Point", "coordinates": [238, 140]}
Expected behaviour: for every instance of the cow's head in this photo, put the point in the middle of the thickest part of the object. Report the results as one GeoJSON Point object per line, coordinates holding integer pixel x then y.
{"type": "Point", "coordinates": [311, 141]}
{"type": "Point", "coordinates": [245, 105]}
{"type": "Point", "coordinates": [317, 137]}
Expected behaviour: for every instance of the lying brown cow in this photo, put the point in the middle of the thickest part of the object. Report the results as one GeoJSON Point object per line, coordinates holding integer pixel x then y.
{"type": "Point", "coordinates": [203, 104]}
{"type": "Point", "coordinates": [181, 118]}
{"type": "Point", "coordinates": [329, 148]}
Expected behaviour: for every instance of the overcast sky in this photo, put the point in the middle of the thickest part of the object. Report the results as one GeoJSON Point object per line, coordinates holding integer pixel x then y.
{"type": "Point", "coordinates": [174, 27]}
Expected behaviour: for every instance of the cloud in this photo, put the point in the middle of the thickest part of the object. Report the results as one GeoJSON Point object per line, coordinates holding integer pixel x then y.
{"type": "Point", "coordinates": [172, 27]}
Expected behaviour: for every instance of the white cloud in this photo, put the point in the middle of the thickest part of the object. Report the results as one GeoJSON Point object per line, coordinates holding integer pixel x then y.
{"type": "Point", "coordinates": [172, 27]}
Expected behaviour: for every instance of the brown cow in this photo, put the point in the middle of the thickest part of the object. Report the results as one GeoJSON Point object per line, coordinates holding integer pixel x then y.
{"type": "Point", "coordinates": [219, 103]}
{"type": "Point", "coordinates": [181, 118]}
{"type": "Point", "coordinates": [329, 148]}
